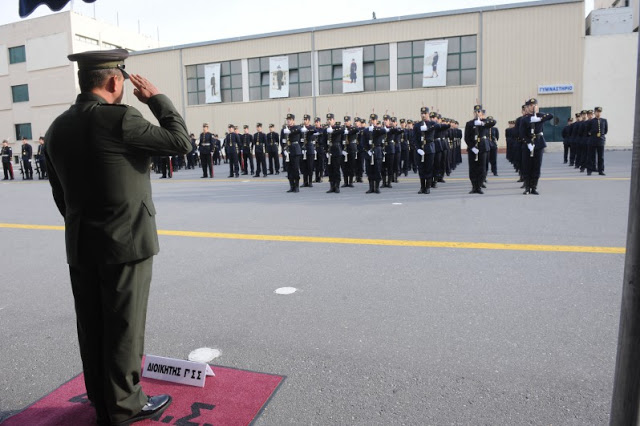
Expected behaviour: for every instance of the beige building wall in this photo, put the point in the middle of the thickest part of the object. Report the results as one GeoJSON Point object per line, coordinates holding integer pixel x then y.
{"type": "Point", "coordinates": [518, 49]}
{"type": "Point", "coordinates": [610, 65]}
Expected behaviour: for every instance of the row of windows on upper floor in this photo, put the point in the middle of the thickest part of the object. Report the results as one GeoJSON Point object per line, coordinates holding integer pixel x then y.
{"type": "Point", "coordinates": [461, 70]}
{"type": "Point", "coordinates": [18, 54]}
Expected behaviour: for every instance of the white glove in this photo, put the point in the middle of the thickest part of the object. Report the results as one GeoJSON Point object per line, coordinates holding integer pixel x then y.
{"type": "Point", "coordinates": [530, 146]}
{"type": "Point", "coordinates": [370, 152]}
{"type": "Point", "coordinates": [328, 155]}
{"type": "Point", "coordinates": [423, 128]}
{"type": "Point", "coordinates": [329, 130]}
{"type": "Point", "coordinates": [478, 123]}
{"type": "Point", "coordinates": [535, 119]}
{"type": "Point", "coordinates": [421, 152]}
{"type": "Point", "coordinates": [304, 129]}
{"type": "Point", "coordinates": [386, 129]}
{"type": "Point", "coordinates": [346, 131]}
{"type": "Point", "coordinates": [475, 150]}
{"type": "Point", "coordinates": [286, 131]}
{"type": "Point", "coordinates": [344, 153]}
{"type": "Point", "coordinates": [371, 128]}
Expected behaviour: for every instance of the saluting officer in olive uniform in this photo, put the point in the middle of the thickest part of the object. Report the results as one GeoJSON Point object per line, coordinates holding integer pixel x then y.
{"type": "Point", "coordinates": [259, 146]}
{"type": "Point", "coordinates": [307, 144]}
{"type": "Point", "coordinates": [598, 129]}
{"type": "Point", "coordinates": [231, 146]}
{"type": "Point", "coordinates": [206, 150]}
{"type": "Point", "coordinates": [531, 127]}
{"type": "Point", "coordinates": [7, 155]}
{"type": "Point", "coordinates": [290, 137]}
{"type": "Point", "coordinates": [476, 135]}
{"type": "Point", "coordinates": [110, 228]}
{"type": "Point", "coordinates": [273, 141]}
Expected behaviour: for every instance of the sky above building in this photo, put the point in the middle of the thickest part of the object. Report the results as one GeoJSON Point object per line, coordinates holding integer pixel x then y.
{"type": "Point", "coordinates": [190, 21]}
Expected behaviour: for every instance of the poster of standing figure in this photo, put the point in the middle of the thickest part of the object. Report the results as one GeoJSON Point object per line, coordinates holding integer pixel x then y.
{"type": "Point", "coordinates": [435, 63]}
{"type": "Point", "coordinates": [352, 80]}
{"type": "Point", "coordinates": [279, 77]}
{"type": "Point", "coordinates": [212, 83]}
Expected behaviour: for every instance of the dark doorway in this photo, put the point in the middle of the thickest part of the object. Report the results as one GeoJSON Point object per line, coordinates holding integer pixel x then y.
{"type": "Point", "coordinates": [553, 128]}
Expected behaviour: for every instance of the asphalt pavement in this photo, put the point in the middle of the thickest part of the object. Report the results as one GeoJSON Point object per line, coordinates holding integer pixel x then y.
{"type": "Point", "coordinates": [509, 331]}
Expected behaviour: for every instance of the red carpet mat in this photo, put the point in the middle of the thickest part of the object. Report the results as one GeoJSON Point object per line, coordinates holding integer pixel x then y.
{"type": "Point", "coordinates": [232, 397]}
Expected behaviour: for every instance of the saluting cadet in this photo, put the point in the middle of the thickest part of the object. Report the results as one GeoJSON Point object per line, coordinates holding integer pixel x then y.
{"type": "Point", "coordinates": [290, 136]}
{"type": "Point", "coordinates": [566, 139]}
{"type": "Point", "coordinates": [27, 153]}
{"type": "Point", "coordinates": [42, 164]}
{"type": "Point", "coordinates": [334, 134]}
{"type": "Point", "coordinates": [259, 146]}
{"type": "Point", "coordinates": [494, 135]}
{"type": "Point", "coordinates": [598, 128]}
{"type": "Point", "coordinates": [307, 141]}
{"type": "Point", "coordinates": [206, 149]}
{"type": "Point", "coordinates": [231, 146]}
{"type": "Point", "coordinates": [531, 127]}
{"type": "Point", "coordinates": [424, 147]}
{"type": "Point", "coordinates": [350, 147]}
{"type": "Point", "coordinates": [389, 152]}
{"type": "Point", "coordinates": [246, 141]}
{"type": "Point", "coordinates": [476, 135]}
{"type": "Point", "coordinates": [321, 149]}
{"type": "Point", "coordinates": [372, 144]}
{"type": "Point", "coordinates": [7, 155]}
{"type": "Point", "coordinates": [273, 142]}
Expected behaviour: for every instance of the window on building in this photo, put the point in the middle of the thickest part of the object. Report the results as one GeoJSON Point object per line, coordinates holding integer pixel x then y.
{"type": "Point", "coordinates": [299, 76]}
{"type": "Point", "coordinates": [461, 62]}
{"type": "Point", "coordinates": [23, 131]}
{"type": "Point", "coordinates": [230, 82]}
{"type": "Point", "coordinates": [17, 54]}
{"type": "Point", "coordinates": [87, 40]}
{"type": "Point", "coordinates": [20, 93]}
{"type": "Point", "coordinates": [375, 62]}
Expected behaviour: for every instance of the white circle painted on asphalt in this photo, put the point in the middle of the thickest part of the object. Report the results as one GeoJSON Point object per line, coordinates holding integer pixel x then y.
{"type": "Point", "coordinates": [286, 290]}
{"type": "Point", "coordinates": [397, 204]}
{"type": "Point", "coordinates": [204, 355]}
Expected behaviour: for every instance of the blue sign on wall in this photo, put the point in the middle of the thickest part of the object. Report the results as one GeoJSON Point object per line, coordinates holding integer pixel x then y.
{"type": "Point", "coordinates": [555, 88]}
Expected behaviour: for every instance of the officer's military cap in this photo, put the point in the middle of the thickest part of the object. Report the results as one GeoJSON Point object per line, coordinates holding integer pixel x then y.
{"type": "Point", "coordinates": [584, 111]}
{"type": "Point", "coordinates": [230, 126]}
{"type": "Point", "coordinates": [235, 127]}
{"type": "Point", "coordinates": [271, 126]}
{"type": "Point", "coordinates": [363, 121]}
{"type": "Point", "coordinates": [373, 116]}
{"type": "Point", "coordinates": [409, 121]}
{"type": "Point", "coordinates": [329, 116]}
{"type": "Point", "coordinates": [439, 116]}
{"type": "Point", "coordinates": [306, 117]}
{"type": "Point", "coordinates": [258, 124]}
{"type": "Point", "coordinates": [394, 119]}
{"type": "Point", "coordinates": [347, 118]}
{"type": "Point", "coordinates": [205, 124]}
{"type": "Point", "coordinates": [402, 121]}
{"type": "Point", "coordinates": [386, 117]}
{"type": "Point", "coordinates": [522, 107]}
{"type": "Point", "coordinates": [424, 110]}
{"type": "Point", "coordinates": [532, 101]}
{"type": "Point", "coordinates": [512, 122]}
{"type": "Point", "coordinates": [101, 60]}
{"type": "Point", "coordinates": [433, 114]}
{"type": "Point", "coordinates": [598, 109]}
{"type": "Point", "coordinates": [357, 119]}
{"type": "Point", "coordinates": [489, 118]}
{"type": "Point", "coordinates": [291, 117]}
{"type": "Point", "coordinates": [477, 108]}
{"type": "Point", "coordinates": [570, 119]}
{"type": "Point", "coordinates": [577, 114]}
{"type": "Point", "coordinates": [245, 126]}
{"type": "Point", "coordinates": [590, 111]}
{"type": "Point", "coordinates": [317, 120]}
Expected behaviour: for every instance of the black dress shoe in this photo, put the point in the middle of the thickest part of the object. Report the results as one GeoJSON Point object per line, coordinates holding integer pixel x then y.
{"type": "Point", "coordinates": [601, 173]}
{"type": "Point", "coordinates": [154, 407]}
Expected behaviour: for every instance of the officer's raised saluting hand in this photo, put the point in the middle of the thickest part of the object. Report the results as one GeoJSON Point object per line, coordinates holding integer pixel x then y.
{"type": "Point", "coordinates": [144, 89]}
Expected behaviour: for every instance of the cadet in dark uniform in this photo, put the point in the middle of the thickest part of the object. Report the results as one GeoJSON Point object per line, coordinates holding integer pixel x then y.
{"type": "Point", "coordinates": [307, 144]}
{"type": "Point", "coordinates": [424, 148]}
{"type": "Point", "coordinates": [290, 137]}
{"type": "Point", "coordinates": [334, 134]}
{"type": "Point", "coordinates": [42, 164]}
{"type": "Point", "coordinates": [259, 146]}
{"type": "Point", "coordinates": [350, 146]}
{"type": "Point", "coordinates": [273, 141]}
{"type": "Point", "coordinates": [27, 153]}
{"type": "Point", "coordinates": [566, 140]}
{"type": "Point", "coordinates": [246, 141]}
{"type": "Point", "coordinates": [110, 228]}
{"type": "Point", "coordinates": [476, 135]}
{"type": "Point", "coordinates": [7, 155]}
{"type": "Point", "coordinates": [519, 146]}
{"type": "Point", "coordinates": [217, 148]}
{"type": "Point", "coordinates": [166, 166]}
{"type": "Point", "coordinates": [191, 160]}
{"type": "Point", "coordinates": [360, 123]}
{"type": "Point", "coordinates": [231, 146]}
{"type": "Point", "coordinates": [531, 127]}
{"type": "Point", "coordinates": [572, 140]}
{"type": "Point", "coordinates": [598, 129]}
{"type": "Point", "coordinates": [389, 152]}
{"type": "Point", "coordinates": [321, 149]}
{"type": "Point", "coordinates": [372, 144]}
{"type": "Point", "coordinates": [205, 147]}
{"type": "Point", "coordinates": [494, 135]}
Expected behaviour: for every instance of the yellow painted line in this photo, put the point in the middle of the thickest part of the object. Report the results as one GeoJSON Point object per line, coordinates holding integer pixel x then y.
{"type": "Point", "coordinates": [366, 241]}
